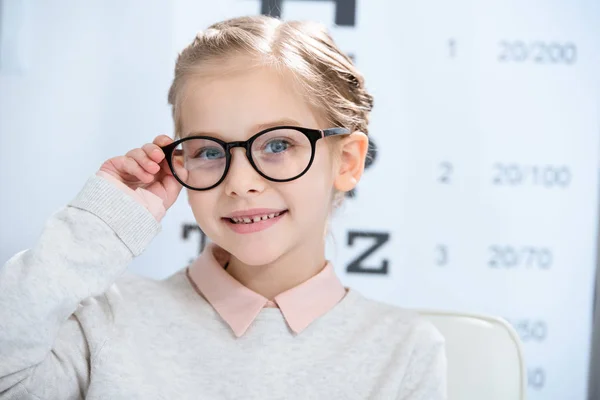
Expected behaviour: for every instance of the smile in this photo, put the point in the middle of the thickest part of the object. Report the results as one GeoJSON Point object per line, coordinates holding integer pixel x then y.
{"type": "Point", "coordinates": [257, 218]}
{"type": "Point", "coordinates": [255, 223]}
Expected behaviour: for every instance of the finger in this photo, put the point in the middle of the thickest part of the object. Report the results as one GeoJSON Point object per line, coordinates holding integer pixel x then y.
{"type": "Point", "coordinates": [132, 167]}
{"type": "Point", "coordinates": [162, 140]}
{"type": "Point", "coordinates": [172, 186]}
{"type": "Point", "coordinates": [178, 165]}
{"type": "Point", "coordinates": [154, 152]}
{"type": "Point", "coordinates": [165, 167]}
{"type": "Point", "coordinates": [142, 158]}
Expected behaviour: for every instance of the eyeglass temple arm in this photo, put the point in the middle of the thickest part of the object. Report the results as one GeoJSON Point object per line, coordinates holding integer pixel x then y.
{"type": "Point", "coordinates": [335, 131]}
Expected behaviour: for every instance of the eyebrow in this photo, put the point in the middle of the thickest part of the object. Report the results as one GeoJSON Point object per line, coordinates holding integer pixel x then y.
{"type": "Point", "coordinates": [255, 128]}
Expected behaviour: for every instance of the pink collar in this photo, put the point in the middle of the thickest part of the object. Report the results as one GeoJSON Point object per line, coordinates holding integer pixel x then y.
{"type": "Point", "coordinates": [239, 305]}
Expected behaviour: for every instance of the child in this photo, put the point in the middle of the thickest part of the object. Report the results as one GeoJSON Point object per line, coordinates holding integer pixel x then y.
{"type": "Point", "coordinates": [270, 132]}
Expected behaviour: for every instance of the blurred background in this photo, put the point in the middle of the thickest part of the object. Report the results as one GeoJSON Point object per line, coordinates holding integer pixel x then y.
{"type": "Point", "coordinates": [483, 193]}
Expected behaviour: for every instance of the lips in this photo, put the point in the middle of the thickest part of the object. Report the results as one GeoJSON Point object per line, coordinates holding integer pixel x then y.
{"type": "Point", "coordinates": [240, 224]}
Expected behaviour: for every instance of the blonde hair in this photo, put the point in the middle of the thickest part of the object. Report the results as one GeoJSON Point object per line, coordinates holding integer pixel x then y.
{"type": "Point", "coordinates": [328, 78]}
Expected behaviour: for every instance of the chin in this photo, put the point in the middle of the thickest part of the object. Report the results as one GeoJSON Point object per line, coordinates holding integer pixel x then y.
{"type": "Point", "coordinates": [257, 261]}
{"type": "Point", "coordinates": [256, 255]}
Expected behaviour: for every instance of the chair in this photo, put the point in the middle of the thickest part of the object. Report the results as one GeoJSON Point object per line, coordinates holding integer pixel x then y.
{"type": "Point", "coordinates": [485, 357]}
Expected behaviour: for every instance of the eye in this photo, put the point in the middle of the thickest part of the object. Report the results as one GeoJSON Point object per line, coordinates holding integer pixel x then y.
{"type": "Point", "coordinates": [209, 153]}
{"type": "Point", "coordinates": [277, 146]}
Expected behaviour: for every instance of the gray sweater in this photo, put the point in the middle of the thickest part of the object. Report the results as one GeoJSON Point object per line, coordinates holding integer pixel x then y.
{"type": "Point", "coordinates": [75, 324]}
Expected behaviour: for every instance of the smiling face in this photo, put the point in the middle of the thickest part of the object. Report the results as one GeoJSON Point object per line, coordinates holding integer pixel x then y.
{"type": "Point", "coordinates": [234, 108]}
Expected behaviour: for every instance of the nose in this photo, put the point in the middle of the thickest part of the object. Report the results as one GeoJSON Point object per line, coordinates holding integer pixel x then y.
{"type": "Point", "coordinates": [242, 180]}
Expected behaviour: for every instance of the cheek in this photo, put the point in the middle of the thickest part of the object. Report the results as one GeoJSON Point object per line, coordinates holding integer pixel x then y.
{"type": "Point", "coordinates": [313, 190]}
{"type": "Point", "coordinates": [322, 169]}
{"type": "Point", "coordinates": [203, 206]}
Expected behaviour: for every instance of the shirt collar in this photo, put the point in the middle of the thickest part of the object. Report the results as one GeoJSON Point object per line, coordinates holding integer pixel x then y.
{"type": "Point", "coordinates": [239, 305]}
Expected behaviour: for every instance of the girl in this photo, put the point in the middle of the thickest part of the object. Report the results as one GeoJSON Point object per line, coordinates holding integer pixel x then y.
{"type": "Point", "coordinates": [270, 132]}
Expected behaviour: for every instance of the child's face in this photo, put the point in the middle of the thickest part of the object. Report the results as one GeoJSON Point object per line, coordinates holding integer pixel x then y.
{"type": "Point", "coordinates": [231, 108]}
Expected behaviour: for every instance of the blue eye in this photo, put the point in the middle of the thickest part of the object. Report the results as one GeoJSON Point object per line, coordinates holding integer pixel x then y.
{"type": "Point", "coordinates": [210, 153]}
{"type": "Point", "coordinates": [277, 146]}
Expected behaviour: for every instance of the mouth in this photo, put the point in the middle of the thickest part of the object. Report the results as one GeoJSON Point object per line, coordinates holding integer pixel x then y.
{"type": "Point", "coordinates": [254, 223]}
{"type": "Point", "coordinates": [254, 219]}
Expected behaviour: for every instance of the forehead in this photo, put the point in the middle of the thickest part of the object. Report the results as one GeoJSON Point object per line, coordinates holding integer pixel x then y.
{"type": "Point", "coordinates": [232, 106]}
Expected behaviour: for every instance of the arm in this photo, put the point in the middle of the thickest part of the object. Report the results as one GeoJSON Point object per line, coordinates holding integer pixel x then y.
{"type": "Point", "coordinates": [45, 348]}
{"type": "Point", "coordinates": [425, 377]}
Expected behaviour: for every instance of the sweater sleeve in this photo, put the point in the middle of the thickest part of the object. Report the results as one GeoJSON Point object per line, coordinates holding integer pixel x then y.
{"type": "Point", "coordinates": [152, 202]}
{"type": "Point", "coordinates": [425, 377]}
{"type": "Point", "coordinates": [46, 350]}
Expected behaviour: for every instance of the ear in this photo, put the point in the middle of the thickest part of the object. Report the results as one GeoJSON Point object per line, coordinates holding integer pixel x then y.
{"type": "Point", "coordinates": [353, 152]}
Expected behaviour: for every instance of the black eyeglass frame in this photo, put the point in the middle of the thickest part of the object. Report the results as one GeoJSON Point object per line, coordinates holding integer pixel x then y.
{"type": "Point", "coordinates": [313, 136]}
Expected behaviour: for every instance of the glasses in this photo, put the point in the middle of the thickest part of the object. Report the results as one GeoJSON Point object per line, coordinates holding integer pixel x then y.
{"type": "Point", "coordinates": [279, 154]}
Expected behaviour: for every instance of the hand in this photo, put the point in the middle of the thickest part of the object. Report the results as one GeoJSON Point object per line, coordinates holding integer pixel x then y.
{"type": "Point", "coordinates": [146, 167]}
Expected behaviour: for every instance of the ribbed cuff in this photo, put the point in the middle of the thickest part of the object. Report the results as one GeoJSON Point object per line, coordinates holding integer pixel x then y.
{"type": "Point", "coordinates": [152, 202]}
{"type": "Point", "coordinates": [130, 220]}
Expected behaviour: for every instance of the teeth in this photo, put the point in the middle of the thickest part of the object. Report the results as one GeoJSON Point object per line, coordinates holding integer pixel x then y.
{"type": "Point", "coordinates": [247, 220]}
